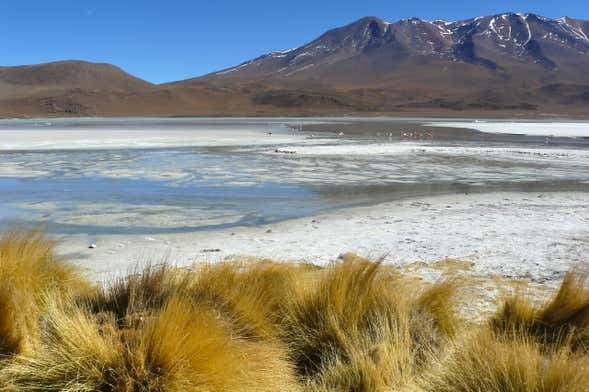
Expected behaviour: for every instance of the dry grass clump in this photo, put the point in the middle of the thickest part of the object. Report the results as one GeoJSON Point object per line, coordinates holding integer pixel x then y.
{"type": "Point", "coordinates": [212, 326]}
{"type": "Point", "coordinates": [182, 348]}
{"type": "Point", "coordinates": [246, 325]}
{"type": "Point", "coordinates": [239, 325]}
{"type": "Point", "coordinates": [130, 299]}
{"type": "Point", "coordinates": [74, 354]}
{"type": "Point", "coordinates": [191, 348]}
{"type": "Point", "coordinates": [488, 362]}
{"type": "Point", "coordinates": [360, 327]}
{"type": "Point", "coordinates": [527, 346]}
{"type": "Point", "coordinates": [249, 294]}
{"type": "Point", "coordinates": [29, 270]}
{"type": "Point", "coordinates": [562, 321]}
{"type": "Point", "coordinates": [164, 329]}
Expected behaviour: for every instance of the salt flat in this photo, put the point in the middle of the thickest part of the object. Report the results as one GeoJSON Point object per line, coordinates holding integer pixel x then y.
{"type": "Point", "coordinates": [414, 148]}
{"type": "Point", "coordinates": [510, 234]}
{"type": "Point", "coordinates": [539, 128]}
{"type": "Point", "coordinates": [75, 138]}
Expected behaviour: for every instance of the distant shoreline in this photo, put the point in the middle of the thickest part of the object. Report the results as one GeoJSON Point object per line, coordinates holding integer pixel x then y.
{"type": "Point", "coordinates": [462, 115]}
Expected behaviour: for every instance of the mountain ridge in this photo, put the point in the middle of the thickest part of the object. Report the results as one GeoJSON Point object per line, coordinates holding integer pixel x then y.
{"type": "Point", "coordinates": [462, 32]}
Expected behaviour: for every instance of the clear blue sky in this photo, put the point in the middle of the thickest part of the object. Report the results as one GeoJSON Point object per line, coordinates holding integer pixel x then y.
{"type": "Point", "coordinates": [175, 39]}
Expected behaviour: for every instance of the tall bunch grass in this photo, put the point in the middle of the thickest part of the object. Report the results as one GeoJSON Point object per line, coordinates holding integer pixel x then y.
{"type": "Point", "coordinates": [360, 327]}
{"type": "Point", "coordinates": [562, 321]}
{"type": "Point", "coordinates": [527, 346]}
{"type": "Point", "coordinates": [246, 325]}
{"type": "Point", "coordinates": [29, 270]}
{"type": "Point", "coordinates": [489, 362]}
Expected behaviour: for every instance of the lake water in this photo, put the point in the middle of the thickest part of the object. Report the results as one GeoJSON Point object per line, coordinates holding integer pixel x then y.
{"type": "Point", "coordinates": [151, 176]}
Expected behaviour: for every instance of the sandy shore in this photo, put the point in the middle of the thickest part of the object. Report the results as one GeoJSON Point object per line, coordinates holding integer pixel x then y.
{"type": "Point", "coordinates": [537, 236]}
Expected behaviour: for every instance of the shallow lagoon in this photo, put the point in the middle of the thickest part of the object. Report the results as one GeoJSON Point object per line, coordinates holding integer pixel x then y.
{"type": "Point", "coordinates": [150, 176]}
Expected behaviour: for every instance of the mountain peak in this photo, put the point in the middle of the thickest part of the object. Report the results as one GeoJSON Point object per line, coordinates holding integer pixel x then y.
{"type": "Point", "coordinates": [369, 19]}
{"type": "Point", "coordinates": [413, 19]}
{"type": "Point", "coordinates": [368, 25]}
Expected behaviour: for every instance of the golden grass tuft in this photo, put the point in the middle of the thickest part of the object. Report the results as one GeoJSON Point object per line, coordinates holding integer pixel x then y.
{"type": "Point", "coordinates": [360, 327]}
{"type": "Point", "coordinates": [29, 270]}
{"type": "Point", "coordinates": [258, 325]}
{"type": "Point", "coordinates": [129, 299]}
{"type": "Point", "coordinates": [249, 294]}
{"type": "Point", "coordinates": [190, 348]}
{"type": "Point", "coordinates": [562, 321]}
{"type": "Point", "coordinates": [438, 301]}
{"type": "Point", "coordinates": [526, 347]}
{"type": "Point", "coordinates": [73, 354]}
{"type": "Point", "coordinates": [182, 348]}
{"type": "Point", "coordinates": [491, 363]}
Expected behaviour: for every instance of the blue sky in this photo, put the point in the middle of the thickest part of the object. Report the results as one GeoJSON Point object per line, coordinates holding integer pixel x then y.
{"type": "Point", "coordinates": [176, 39]}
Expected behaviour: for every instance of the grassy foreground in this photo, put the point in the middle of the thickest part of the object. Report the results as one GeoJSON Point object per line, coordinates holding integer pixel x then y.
{"type": "Point", "coordinates": [246, 325]}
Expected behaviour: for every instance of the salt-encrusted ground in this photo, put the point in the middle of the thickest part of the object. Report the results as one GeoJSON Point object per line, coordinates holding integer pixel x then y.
{"type": "Point", "coordinates": [538, 128]}
{"type": "Point", "coordinates": [77, 138]}
{"type": "Point", "coordinates": [513, 235]}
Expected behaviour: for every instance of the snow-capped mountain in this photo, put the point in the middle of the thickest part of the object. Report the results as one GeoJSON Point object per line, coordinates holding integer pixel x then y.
{"type": "Point", "coordinates": [492, 42]}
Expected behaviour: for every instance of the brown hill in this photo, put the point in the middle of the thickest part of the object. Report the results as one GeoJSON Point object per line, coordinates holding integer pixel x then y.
{"type": "Point", "coordinates": [66, 75]}
{"type": "Point", "coordinates": [64, 88]}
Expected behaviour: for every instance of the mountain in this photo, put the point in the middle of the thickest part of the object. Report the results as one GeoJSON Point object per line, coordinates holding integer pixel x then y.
{"type": "Point", "coordinates": [501, 62]}
{"type": "Point", "coordinates": [506, 64]}
{"type": "Point", "coordinates": [495, 42]}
